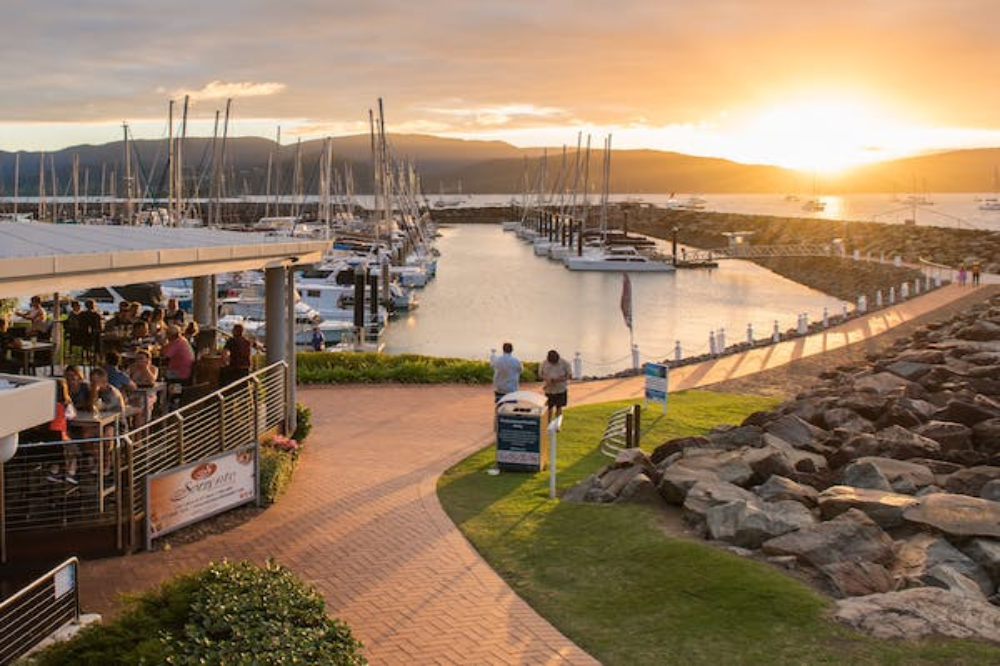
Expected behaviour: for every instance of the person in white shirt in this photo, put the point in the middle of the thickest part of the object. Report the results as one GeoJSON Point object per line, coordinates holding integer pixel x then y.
{"type": "Point", "coordinates": [506, 372]}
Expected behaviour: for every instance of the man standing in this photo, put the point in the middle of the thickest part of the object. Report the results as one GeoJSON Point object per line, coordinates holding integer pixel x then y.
{"type": "Point", "coordinates": [555, 373]}
{"type": "Point", "coordinates": [506, 372]}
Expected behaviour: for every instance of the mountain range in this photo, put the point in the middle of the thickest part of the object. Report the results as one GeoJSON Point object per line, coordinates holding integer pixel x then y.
{"type": "Point", "coordinates": [455, 165]}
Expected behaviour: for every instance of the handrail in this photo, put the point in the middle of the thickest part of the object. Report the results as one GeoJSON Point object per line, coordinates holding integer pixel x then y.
{"type": "Point", "coordinates": [622, 431]}
{"type": "Point", "coordinates": [27, 618]}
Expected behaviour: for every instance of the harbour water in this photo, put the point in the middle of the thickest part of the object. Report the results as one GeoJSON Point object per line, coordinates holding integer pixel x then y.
{"type": "Point", "coordinates": [490, 287]}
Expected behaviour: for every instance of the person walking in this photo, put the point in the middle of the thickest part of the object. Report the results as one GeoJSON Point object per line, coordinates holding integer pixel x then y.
{"type": "Point", "coordinates": [961, 275]}
{"type": "Point", "coordinates": [555, 373]}
{"type": "Point", "coordinates": [506, 372]}
{"type": "Point", "coordinates": [975, 273]}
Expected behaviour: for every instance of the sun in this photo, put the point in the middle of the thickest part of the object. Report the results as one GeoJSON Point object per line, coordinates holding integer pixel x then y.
{"type": "Point", "coordinates": [817, 133]}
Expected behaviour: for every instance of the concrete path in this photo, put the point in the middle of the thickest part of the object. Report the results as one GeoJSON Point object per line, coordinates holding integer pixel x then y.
{"type": "Point", "coordinates": [362, 520]}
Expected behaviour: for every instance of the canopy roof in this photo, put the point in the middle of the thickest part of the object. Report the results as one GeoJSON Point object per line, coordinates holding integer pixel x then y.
{"type": "Point", "coordinates": [42, 258]}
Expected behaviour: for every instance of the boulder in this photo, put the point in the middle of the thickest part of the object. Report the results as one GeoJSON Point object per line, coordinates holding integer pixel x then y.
{"type": "Point", "coordinates": [922, 356]}
{"type": "Point", "coordinates": [797, 432]}
{"type": "Point", "coordinates": [986, 435]}
{"type": "Point", "coordinates": [966, 412]}
{"type": "Point", "coordinates": [613, 479]}
{"type": "Point", "coordinates": [801, 459]}
{"type": "Point", "coordinates": [949, 578]}
{"type": "Point", "coordinates": [885, 383]}
{"type": "Point", "coordinates": [852, 536]}
{"type": "Point", "coordinates": [979, 330]}
{"type": "Point", "coordinates": [991, 491]}
{"type": "Point", "coordinates": [956, 515]}
{"type": "Point", "coordinates": [638, 458]}
{"type": "Point", "coordinates": [970, 481]}
{"type": "Point", "coordinates": [768, 461]}
{"type": "Point", "coordinates": [706, 494]}
{"type": "Point", "coordinates": [865, 475]}
{"type": "Point", "coordinates": [778, 488]}
{"type": "Point", "coordinates": [906, 412]}
{"type": "Point", "coordinates": [903, 476]}
{"type": "Point", "coordinates": [921, 612]}
{"type": "Point", "coordinates": [855, 579]}
{"type": "Point", "coordinates": [909, 370]}
{"type": "Point", "coordinates": [730, 438]}
{"type": "Point", "coordinates": [749, 524]}
{"type": "Point", "coordinates": [842, 417]}
{"type": "Point", "coordinates": [677, 481]}
{"type": "Point", "coordinates": [578, 492]}
{"type": "Point", "coordinates": [925, 559]}
{"type": "Point", "coordinates": [898, 442]}
{"type": "Point", "coordinates": [668, 448]}
{"type": "Point", "coordinates": [986, 553]}
{"type": "Point", "coordinates": [950, 435]}
{"type": "Point", "coordinates": [885, 508]}
{"type": "Point", "coordinates": [727, 465]}
{"type": "Point", "coordinates": [641, 490]}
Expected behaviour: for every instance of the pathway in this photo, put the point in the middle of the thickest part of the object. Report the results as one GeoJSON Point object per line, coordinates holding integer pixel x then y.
{"type": "Point", "coordinates": [363, 523]}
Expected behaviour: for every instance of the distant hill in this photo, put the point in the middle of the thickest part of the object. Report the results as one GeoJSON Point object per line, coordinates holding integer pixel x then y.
{"type": "Point", "coordinates": [488, 167]}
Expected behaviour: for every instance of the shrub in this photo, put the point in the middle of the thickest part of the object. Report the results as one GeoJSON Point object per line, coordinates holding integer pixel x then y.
{"type": "Point", "coordinates": [227, 613]}
{"type": "Point", "coordinates": [303, 422]}
{"type": "Point", "coordinates": [326, 368]}
{"type": "Point", "coordinates": [277, 463]}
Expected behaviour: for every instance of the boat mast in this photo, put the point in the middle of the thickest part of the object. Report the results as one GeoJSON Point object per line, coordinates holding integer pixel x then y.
{"type": "Point", "coordinates": [17, 179]}
{"type": "Point", "coordinates": [180, 162]}
{"type": "Point", "coordinates": [213, 186]}
{"type": "Point", "coordinates": [129, 184]}
{"type": "Point", "coordinates": [41, 186]}
{"type": "Point", "coordinates": [221, 192]}
{"type": "Point", "coordinates": [76, 187]}
{"type": "Point", "coordinates": [171, 163]}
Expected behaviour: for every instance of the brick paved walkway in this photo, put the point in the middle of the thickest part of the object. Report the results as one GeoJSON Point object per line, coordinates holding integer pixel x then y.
{"type": "Point", "coordinates": [362, 520]}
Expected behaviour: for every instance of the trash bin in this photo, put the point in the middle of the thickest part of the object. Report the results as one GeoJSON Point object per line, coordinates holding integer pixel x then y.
{"type": "Point", "coordinates": [519, 432]}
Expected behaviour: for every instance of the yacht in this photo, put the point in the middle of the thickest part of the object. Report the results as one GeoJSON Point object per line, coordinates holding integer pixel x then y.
{"type": "Point", "coordinates": [814, 206]}
{"type": "Point", "coordinates": [617, 258]}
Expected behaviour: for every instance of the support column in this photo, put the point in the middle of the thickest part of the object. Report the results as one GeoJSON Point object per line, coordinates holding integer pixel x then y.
{"type": "Point", "coordinates": [290, 341]}
{"type": "Point", "coordinates": [201, 298]}
{"type": "Point", "coordinates": [275, 314]}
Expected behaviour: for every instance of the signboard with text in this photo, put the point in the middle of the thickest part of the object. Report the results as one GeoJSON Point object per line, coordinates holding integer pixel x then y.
{"type": "Point", "coordinates": [184, 495]}
{"type": "Point", "coordinates": [656, 383]}
{"type": "Point", "coordinates": [519, 443]}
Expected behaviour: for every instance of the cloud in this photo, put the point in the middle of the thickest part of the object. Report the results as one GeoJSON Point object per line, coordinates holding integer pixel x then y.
{"type": "Point", "coordinates": [223, 90]}
{"type": "Point", "coordinates": [499, 115]}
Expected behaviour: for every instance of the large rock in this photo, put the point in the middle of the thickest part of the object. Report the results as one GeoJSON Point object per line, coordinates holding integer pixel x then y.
{"type": "Point", "coordinates": [920, 612]}
{"type": "Point", "coordinates": [727, 465]}
{"type": "Point", "coordinates": [986, 553]}
{"type": "Point", "coordinates": [948, 577]}
{"type": "Point", "coordinates": [842, 417]}
{"type": "Point", "coordinates": [797, 432]}
{"type": "Point", "coordinates": [906, 412]}
{"type": "Point", "coordinates": [851, 536]}
{"type": "Point", "coordinates": [778, 488]}
{"type": "Point", "coordinates": [866, 475]}
{"type": "Point", "coordinates": [885, 383]}
{"type": "Point", "coordinates": [898, 442]}
{"type": "Point", "coordinates": [956, 515]}
{"type": "Point", "coordinates": [669, 448]}
{"type": "Point", "coordinates": [855, 579]}
{"type": "Point", "coordinates": [967, 412]}
{"type": "Point", "coordinates": [750, 523]}
{"type": "Point", "coordinates": [970, 481]}
{"type": "Point", "coordinates": [909, 370]}
{"type": "Point", "coordinates": [641, 490]}
{"type": "Point", "coordinates": [950, 435]}
{"type": "Point", "coordinates": [991, 491]}
{"type": "Point", "coordinates": [986, 435]}
{"type": "Point", "coordinates": [979, 330]}
{"type": "Point", "coordinates": [903, 476]}
{"type": "Point", "coordinates": [677, 481]}
{"type": "Point", "coordinates": [925, 559]}
{"type": "Point", "coordinates": [730, 438]}
{"type": "Point", "coordinates": [706, 494]}
{"type": "Point", "coordinates": [885, 508]}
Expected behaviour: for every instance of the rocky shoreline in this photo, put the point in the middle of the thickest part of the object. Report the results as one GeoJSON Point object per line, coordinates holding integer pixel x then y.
{"type": "Point", "coordinates": [881, 482]}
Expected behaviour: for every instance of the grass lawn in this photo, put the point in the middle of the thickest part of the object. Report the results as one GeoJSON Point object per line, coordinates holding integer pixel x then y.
{"type": "Point", "coordinates": [618, 586]}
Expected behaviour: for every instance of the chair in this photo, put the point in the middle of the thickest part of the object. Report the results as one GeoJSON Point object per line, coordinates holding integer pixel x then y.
{"type": "Point", "coordinates": [194, 392]}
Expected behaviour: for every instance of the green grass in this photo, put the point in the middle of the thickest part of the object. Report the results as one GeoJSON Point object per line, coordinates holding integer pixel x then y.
{"type": "Point", "coordinates": [610, 579]}
{"type": "Point", "coordinates": [326, 368]}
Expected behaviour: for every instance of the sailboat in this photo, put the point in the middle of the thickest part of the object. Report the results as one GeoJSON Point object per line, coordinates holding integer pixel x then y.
{"type": "Point", "coordinates": [992, 202]}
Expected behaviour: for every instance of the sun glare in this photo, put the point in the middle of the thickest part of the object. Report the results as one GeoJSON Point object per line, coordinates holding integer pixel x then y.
{"type": "Point", "coordinates": [817, 134]}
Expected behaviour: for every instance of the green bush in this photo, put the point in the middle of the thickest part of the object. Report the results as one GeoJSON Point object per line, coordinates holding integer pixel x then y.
{"type": "Point", "coordinates": [227, 613]}
{"type": "Point", "coordinates": [326, 368]}
{"type": "Point", "coordinates": [303, 423]}
{"type": "Point", "coordinates": [276, 468]}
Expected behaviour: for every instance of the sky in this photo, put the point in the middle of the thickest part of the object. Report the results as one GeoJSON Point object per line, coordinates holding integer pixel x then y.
{"type": "Point", "coordinates": [817, 85]}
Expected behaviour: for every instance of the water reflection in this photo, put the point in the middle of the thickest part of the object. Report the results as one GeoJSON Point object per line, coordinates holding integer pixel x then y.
{"type": "Point", "coordinates": [491, 287]}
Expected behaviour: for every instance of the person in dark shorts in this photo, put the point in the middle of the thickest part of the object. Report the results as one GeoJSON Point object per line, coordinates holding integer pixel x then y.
{"type": "Point", "coordinates": [555, 373]}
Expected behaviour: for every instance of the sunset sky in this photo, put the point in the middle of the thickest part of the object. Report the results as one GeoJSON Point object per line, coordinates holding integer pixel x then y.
{"type": "Point", "coordinates": [816, 85]}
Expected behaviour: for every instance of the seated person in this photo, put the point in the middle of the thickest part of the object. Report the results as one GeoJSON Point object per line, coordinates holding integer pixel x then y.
{"type": "Point", "coordinates": [116, 377]}
{"type": "Point", "coordinates": [179, 356]}
{"type": "Point", "coordinates": [79, 389]}
{"type": "Point", "coordinates": [144, 374]}
{"type": "Point", "coordinates": [140, 336]}
{"type": "Point", "coordinates": [104, 398]}
{"type": "Point", "coordinates": [7, 339]}
{"type": "Point", "coordinates": [38, 325]}
{"type": "Point", "coordinates": [236, 356]}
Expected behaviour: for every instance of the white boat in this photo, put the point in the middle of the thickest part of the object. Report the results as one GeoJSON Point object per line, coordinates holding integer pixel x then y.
{"type": "Point", "coordinates": [990, 203]}
{"type": "Point", "coordinates": [558, 252]}
{"type": "Point", "coordinates": [617, 258]}
{"type": "Point", "coordinates": [510, 225]}
{"type": "Point", "coordinates": [541, 246]}
{"type": "Point", "coordinates": [814, 206]}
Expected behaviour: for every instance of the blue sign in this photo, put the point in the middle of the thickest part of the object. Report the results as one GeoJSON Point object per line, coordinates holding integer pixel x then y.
{"type": "Point", "coordinates": [656, 383]}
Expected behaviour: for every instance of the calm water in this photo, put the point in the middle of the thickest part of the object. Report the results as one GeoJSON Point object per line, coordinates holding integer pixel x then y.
{"type": "Point", "coordinates": [491, 287]}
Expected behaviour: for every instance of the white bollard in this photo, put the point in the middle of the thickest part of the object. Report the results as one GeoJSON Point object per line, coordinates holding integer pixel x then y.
{"type": "Point", "coordinates": [721, 342]}
{"type": "Point", "coordinates": [750, 334]}
{"type": "Point", "coordinates": [857, 255]}
{"type": "Point", "coordinates": [904, 291]}
{"type": "Point", "coordinates": [861, 303]}
{"type": "Point", "coordinates": [635, 357]}
{"type": "Point", "coordinates": [916, 287]}
{"type": "Point", "coordinates": [826, 318]}
{"type": "Point", "coordinates": [843, 313]}
{"type": "Point", "coordinates": [803, 323]}
{"type": "Point", "coordinates": [711, 343]}
{"type": "Point", "coordinates": [937, 280]}
{"type": "Point", "coordinates": [677, 351]}
{"type": "Point", "coordinates": [577, 366]}
{"type": "Point", "coordinates": [493, 356]}
{"type": "Point", "coordinates": [878, 298]}
{"type": "Point", "coordinates": [897, 261]}
{"type": "Point", "coordinates": [892, 295]}
{"type": "Point", "coordinates": [776, 336]}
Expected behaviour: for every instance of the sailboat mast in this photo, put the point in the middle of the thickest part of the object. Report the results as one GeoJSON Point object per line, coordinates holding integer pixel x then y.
{"type": "Point", "coordinates": [76, 187]}
{"type": "Point", "coordinates": [180, 161]}
{"type": "Point", "coordinates": [221, 192]}
{"type": "Point", "coordinates": [17, 180]}
{"type": "Point", "coordinates": [129, 184]}
{"type": "Point", "coordinates": [214, 186]}
{"type": "Point", "coordinates": [171, 163]}
{"type": "Point", "coordinates": [41, 186]}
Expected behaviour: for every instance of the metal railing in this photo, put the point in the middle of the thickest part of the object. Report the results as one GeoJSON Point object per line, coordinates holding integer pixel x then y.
{"type": "Point", "coordinates": [39, 610]}
{"type": "Point", "coordinates": [110, 489]}
{"type": "Point", "coordinates": [622, 431]}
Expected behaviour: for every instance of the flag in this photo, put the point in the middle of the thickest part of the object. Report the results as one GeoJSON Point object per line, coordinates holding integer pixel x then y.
{"type": "Point", "coordinates": [627, 300]}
